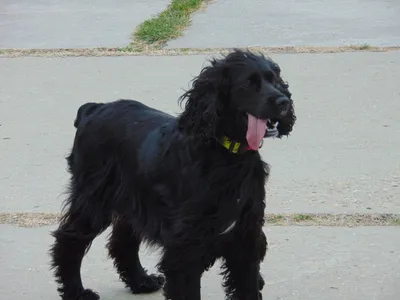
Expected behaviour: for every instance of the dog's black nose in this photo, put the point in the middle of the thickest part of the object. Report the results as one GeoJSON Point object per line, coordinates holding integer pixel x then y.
{"type": "Point", "coordinates": [283, 104]}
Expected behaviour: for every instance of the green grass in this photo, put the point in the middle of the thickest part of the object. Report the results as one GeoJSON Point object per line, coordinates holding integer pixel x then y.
{"type": "Point", "coordinates": [280, 219]}
{"type": "Point", "coordinates": [168, 25]}
{"type": "Point", "coordinates": [395, 221]}
{"type": "Point", "coordinates": [302, 217]}
{"type": "Point", "coordinates": [364, 46]}
{"type": "Point", "coordinates": [273, 219]}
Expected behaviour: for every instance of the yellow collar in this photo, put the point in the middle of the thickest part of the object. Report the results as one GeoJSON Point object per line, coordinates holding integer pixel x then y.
{"type": "Point", "coordinates": [232, 145]}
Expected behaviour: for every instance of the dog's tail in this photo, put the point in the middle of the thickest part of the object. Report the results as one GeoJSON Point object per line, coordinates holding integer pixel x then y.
{"type": "Point", "coordinates": [85, 110]}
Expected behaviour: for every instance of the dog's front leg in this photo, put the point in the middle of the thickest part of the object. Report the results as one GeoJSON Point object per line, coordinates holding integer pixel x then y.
{"type": "Point", "coordinates": [182, 271]}
{"type": "Point", "coordinates": [242, 267]}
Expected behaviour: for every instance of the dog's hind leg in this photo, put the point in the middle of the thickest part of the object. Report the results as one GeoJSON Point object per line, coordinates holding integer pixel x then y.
{"type": "Point", "coordinates": [73, 239]}
{"type": "Point", "coordinates": [123, 247]}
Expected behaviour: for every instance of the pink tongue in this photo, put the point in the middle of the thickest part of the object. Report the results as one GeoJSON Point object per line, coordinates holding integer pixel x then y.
{"type": "Point", "coordinates": [255, 131]}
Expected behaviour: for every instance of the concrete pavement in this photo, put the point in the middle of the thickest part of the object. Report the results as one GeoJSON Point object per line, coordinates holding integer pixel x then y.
{"type": "Point", "coordinates": [73, 23]}
{"type": "Point", "coordinates": [343, 155]}
{"type": "Point", "coordinates": [233, 23]}
{"type": "Point", "coordinates": [243, 23]}
{"type": "Point", "coordinates": [303, 263]}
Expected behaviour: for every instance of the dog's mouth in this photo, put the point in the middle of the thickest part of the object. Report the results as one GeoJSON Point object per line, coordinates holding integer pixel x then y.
{"type": "Point", "coordinates": [257, 129]}
{"type": "Point", "coordinates": [272, 128]}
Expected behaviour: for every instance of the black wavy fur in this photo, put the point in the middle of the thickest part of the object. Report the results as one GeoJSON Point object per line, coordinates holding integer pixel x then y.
{"type": "Point", "coordinates": [167, 181]}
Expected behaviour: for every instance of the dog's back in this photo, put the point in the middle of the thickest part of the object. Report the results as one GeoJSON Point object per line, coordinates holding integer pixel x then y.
{"type": "Point", "coordinates": [85, 110]}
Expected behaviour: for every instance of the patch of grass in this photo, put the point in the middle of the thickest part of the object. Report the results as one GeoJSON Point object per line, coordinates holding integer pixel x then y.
{"type": "Point", "coordinates": [395, 221]}
{"type": "Point", "coordinates": [275, 219]}
{"type": "Point", "coordinates": [364, 46]}
{"type": "Point", "coordinates": [167, 25]}
{"type": "Point", "coordinates": [302, 218]}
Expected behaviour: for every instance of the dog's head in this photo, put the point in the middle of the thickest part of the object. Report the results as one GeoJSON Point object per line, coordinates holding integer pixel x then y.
{"type": "Point", "coordinates": [242, 96]}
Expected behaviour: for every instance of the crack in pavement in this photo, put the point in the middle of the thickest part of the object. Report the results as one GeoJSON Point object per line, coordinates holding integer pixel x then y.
{"type": "Point", "coordinates": [94, 52]}
{"type": "Point", "coordinates": [38, 219]}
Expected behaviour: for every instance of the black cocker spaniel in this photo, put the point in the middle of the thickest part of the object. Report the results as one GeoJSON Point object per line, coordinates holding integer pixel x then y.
{"type": "Point", "coordinates": [193, 184]}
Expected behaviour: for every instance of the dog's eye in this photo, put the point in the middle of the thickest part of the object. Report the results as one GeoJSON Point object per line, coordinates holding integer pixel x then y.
{"type": "Point", "coordinates": [254, 80]}
{"type": "Point", "coordinates": [270, 76]}
{"type": "Point", "coordinates": [246, 84]}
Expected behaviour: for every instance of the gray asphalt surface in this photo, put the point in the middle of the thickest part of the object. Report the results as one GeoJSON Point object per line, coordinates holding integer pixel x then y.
{"type": "Point", "coordinates": [242, 23]}
{"type": "Point", "coordinates": [303, 263]}
{"type": "Point", "coordinates": [73, 23]}
{"type": "Point", "coordinates": [343, 155]}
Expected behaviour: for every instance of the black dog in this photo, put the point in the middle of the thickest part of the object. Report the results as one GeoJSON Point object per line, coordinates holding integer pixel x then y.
{"type": "Point", "coordinates": [192, 184]}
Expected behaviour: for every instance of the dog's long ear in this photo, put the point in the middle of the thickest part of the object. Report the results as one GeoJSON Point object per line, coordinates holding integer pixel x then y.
{"type": "Point", "coordinates": [203, 101]}
{"type": "Point", "coordinates": [285, 125]}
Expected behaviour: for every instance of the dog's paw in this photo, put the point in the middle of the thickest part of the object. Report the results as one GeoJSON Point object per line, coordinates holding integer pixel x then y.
{"type": "Point", "coordinates": [89, 295]}
{"type": "Point", "coordinates": [147, 284]}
